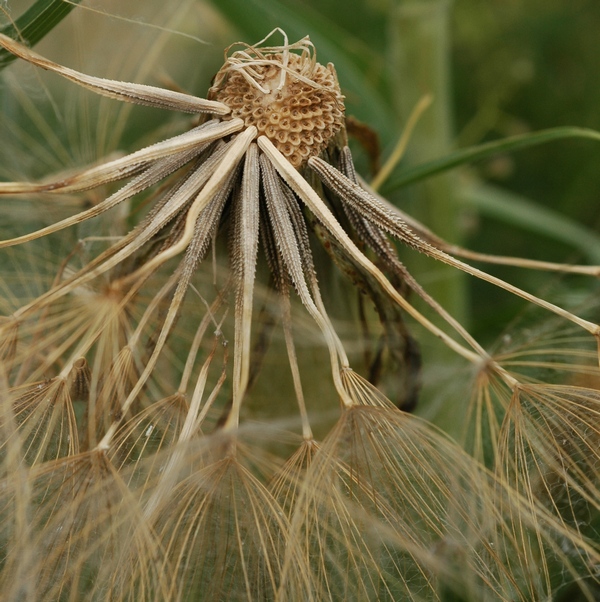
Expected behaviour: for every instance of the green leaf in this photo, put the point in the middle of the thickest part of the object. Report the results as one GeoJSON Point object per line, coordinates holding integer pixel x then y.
{"type": "Point", "coordinates": [519, 211]}
{"type": "Point", "coordinates": [482, 151]}
{"type": "Point", "coordinates": [35, 23]}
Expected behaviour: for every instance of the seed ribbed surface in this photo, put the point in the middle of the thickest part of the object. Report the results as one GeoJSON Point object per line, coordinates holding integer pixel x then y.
{"type": "Point", "coordinates": [299, 117]}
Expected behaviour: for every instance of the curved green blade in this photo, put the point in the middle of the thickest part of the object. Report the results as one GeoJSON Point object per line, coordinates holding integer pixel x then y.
{"type": "Point", "coordinates": [482, 151]}
{"type": "Point", "coordinates": [514, 209]}
{"type": "Point", "coordinates": [35, 23]}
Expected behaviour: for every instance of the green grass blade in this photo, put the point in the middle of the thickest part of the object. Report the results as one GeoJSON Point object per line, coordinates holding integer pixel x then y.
{"type": "Point", "coordinates": [519, 211]}
{"type": "Point", "coordinates": [482, 151]}
{"type": "Point", "coordinates": [35, 23]}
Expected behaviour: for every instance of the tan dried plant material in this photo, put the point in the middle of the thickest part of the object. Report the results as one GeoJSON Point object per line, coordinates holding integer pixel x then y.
{"type": "Point", "coordinates": [290, 98]}
{"type": "Point", "coordinates": [123, 425]}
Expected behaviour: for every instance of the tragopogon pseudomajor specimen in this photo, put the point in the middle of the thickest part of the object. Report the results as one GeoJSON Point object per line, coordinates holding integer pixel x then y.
{"type": "Point", "coordinates": [123, 480]}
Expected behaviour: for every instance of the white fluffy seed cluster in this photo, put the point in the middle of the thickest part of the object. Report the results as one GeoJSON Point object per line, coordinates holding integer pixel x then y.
{"type": "Point", "coordinates": [300, 118]}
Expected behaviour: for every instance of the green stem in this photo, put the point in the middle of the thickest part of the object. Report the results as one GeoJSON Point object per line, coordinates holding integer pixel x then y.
{"type": "Point", "coordinates": [419, 57]}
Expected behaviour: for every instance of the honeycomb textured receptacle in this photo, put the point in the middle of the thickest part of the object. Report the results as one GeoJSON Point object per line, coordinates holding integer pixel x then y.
{"type": "Point", "coordinates": [300, 113]}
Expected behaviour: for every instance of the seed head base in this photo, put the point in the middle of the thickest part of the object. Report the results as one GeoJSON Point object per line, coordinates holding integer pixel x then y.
{"type": "Point", "coordinates": [286, 95]}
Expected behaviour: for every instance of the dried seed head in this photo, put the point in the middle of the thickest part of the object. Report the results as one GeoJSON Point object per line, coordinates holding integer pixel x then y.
{"type": "Point", "coordinates": [290, 98]}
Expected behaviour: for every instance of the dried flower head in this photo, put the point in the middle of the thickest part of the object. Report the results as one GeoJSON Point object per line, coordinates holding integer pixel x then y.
{"type": "Point", "coordinates": [104, 437]}
{"type": "Point", "coordinates": [290, 98]}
